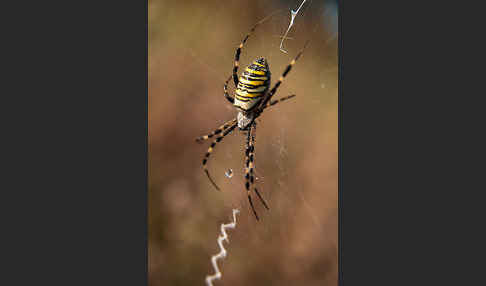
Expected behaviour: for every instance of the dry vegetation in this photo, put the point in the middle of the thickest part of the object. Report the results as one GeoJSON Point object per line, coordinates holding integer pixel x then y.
{"type": "Point", "coordinates": [191, 49]}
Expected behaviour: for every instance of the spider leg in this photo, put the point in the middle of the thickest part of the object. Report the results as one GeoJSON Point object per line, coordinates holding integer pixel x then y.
{"type": "Point", "coordinates": [215, 132]}
{"type": "Point", "coordinates": [210, 150]}
{"type": "Point", "coordinates": [247, 170]}
{"type": "Point", "coordinates": [287, 70]}
{"type": "Point", "coordinates": [238, 50]}
{"type": "Point", "coordinates": [228, 97]}
{"type": "Point", "coordinates": [252, 167]}
{"type": "Point", "coordinates": [273, 102]}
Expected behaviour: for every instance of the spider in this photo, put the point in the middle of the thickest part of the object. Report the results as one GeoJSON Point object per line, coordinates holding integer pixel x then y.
{"type": "Point", "coordinates": [251, 98]}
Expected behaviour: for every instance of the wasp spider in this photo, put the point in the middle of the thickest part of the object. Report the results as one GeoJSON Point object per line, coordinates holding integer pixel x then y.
{"type": "Point", "coordinates": [251, 98]}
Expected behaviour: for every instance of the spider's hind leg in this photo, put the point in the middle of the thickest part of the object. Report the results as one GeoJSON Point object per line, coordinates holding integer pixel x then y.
{"type": "Point", "coordinates": [250, 166]}
{"type": "Point", "coordinates": [210, 150]}
{"type": "Point", "coordinates": [217, 131]}
{"type": "Point", "coordinates": [247, 170]}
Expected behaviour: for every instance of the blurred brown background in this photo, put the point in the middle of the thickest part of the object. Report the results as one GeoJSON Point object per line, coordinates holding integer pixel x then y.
{"type": "Point", "coordinates": [191, 50]}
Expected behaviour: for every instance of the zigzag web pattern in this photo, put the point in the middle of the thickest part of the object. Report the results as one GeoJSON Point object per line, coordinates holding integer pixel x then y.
{"type": "Point", "coordinates": [222, 253]}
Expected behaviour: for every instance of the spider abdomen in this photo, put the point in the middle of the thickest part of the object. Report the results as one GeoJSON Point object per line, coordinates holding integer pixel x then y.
{"type": "Point", "coordinates": [252, 85]}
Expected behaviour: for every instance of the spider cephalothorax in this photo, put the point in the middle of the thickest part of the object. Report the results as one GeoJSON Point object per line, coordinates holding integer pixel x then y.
{"type": "Point", "coordinates": [251, 98]}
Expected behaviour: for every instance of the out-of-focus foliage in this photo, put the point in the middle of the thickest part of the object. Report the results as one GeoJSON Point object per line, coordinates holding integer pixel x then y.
{"type": "Point", "coordinates": [191, 50]}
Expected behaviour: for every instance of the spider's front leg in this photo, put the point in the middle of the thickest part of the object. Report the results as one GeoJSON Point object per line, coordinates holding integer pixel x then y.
{"type": "Point", "coordinates": [238, 50]}
{"type": "Point", "coordinates": [280, 80]}
{"type": "Point", "coordinates": [226, 94]}
{"type": "Point", "coordinates": [273, 102]}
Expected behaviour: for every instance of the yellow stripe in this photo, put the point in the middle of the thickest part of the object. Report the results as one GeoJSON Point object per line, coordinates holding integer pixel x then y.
{"type": "Point", "coordinates": [244, 98]}
{"type": "Point", "coordinates": [250, 99]}
{"type": "Point", "coordinates": [244, 93]}
{"type": "Point", "coordinates": [252, 82]}
{"type": "Point", "coordinates": [256, 63]}
{"type": "Point", "coordinates": [257, 78]}
{"type": "Point", "coordinates": [260, 88]}
{"type": "Point", "coordinates": [255, 72]}
{"type": "Point", "coordinates": [241, 100]}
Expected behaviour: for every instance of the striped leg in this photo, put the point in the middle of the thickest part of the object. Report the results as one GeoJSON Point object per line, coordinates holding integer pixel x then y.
{"type": "Point", "coordinates": [225, 87]}
{"type": "Point", "coordinates": [210, 150]}
{"type": "Point", "coordinates": [247, 170]}
{"type": "Point", "coordinates": [215, 132]}
{"type": "Point", "coordinates": [238, 51]}
{"type": "Point", "coordinates": [280, 80]}
{"type": "Point", "coordinates": [273, 102]}
{"type": "Point", "coordinates": [237, 55]}
{"type": "Point", "coordinates": [251, 165]}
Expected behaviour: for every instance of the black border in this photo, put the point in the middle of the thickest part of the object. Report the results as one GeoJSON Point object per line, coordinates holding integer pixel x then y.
{"type": "Point", "coordinates": [407, 193]}
{"type": "Point", "coordinates": [77, 164]}
{"type": "Point", "coordinates": [340, 139]}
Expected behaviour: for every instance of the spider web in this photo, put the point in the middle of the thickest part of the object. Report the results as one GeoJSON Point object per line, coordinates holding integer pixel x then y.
{"type": "Point", "coordinates": [285, 30]}
{"type": "Point", "coordinates": [191, 54]}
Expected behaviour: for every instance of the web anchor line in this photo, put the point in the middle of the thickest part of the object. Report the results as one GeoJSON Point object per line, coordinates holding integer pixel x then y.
{"type": "Point", "coordinates": [292, 15]}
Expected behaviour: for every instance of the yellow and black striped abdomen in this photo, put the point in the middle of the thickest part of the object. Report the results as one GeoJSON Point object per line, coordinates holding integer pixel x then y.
{"type": "Point", "coordinates": [253, 85]}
